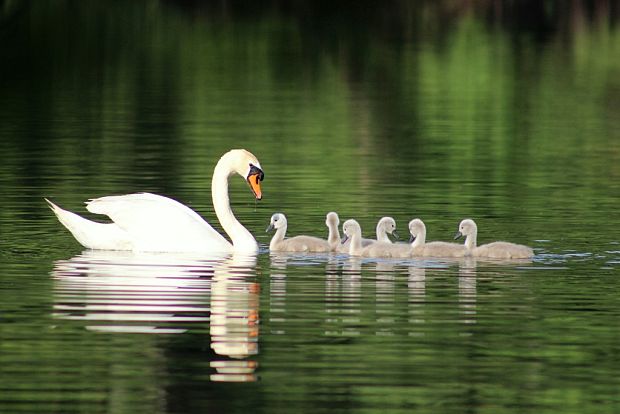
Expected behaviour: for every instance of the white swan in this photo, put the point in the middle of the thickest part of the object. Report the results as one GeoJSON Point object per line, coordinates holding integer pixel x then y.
{"type": "Point", "coordinates": [419, 247]}
{"type": "Point", "coordinates": [385, 225]}
{"type": "Point", "coordinates": [353, 231]}
{"type": "Point", "coordinates": [149, 222]}
{"type": "Point", "coordinates": [293, 244]}
{"type": "Point", "coordinates": [495, 250]}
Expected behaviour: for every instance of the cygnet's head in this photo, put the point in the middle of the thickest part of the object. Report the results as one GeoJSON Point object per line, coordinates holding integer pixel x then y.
{"type": "Point", "coordinates": [389, 225]}
{"type": "Point", "coordinates": [416, 227]}
{"type": "Point", "coordinates": [350, 228]}
{"type": "Point", "coordinates": [278, 220]}
{"type": "Point", "coordinates": [332, 219]}
{"type": "Point", "coordinates": [467, 227]}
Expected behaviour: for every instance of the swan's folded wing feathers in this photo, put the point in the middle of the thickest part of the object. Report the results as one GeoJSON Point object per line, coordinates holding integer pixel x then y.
{"type": "Point", "coordinates": [159, 223]}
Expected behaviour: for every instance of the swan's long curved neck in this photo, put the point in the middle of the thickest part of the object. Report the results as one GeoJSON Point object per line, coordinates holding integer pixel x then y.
{"type": "Point", "coordinates": [355, 249]}
{"type": "Point", "coordinates": [420, 239]}
{"type": "Point", "coordinates": [470, 240]}
{"type": "Point", "coordinates": [334, 235]}
{"type": "Point", "coordinates": [241, 238]}
{"type": "Point", "coordinates": [277, 238]}
{"type": "Point", "coordinates": [381, 233]}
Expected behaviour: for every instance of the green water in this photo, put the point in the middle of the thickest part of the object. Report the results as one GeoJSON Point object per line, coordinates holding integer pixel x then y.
{"type": "Point", "coordinates": [501, 112]}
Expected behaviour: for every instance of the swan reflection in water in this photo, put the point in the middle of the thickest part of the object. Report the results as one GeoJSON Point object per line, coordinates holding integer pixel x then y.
{"type": "Point", "coordinates": [126, 292]}
{"type": "Point", "coordinates": [467, 289]}
{"type": "Point", "coordinates": [234, 319]}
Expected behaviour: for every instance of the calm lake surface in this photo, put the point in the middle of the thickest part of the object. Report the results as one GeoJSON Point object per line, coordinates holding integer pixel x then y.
{"type": "Point", "coordinates": [508, 114]}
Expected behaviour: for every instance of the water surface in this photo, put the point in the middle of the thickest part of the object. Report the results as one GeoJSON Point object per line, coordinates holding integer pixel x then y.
{"type": "Point", "coordinates": [502, 113]}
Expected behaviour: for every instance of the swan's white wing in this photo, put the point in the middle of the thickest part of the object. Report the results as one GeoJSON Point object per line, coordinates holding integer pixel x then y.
{"type": "Point", "coordinates": [157, 223]}
{"type": "Point", "coordinates": [91, 234]}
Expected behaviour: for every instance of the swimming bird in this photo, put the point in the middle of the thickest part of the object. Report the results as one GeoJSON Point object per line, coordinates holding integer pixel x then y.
{"type": "Point", "coordinates": [332, 221]}
{"type": "Point", "coordinates": [353, 231]}
{"type": "Point", "coordinates": [495, 250]}
{"type": "Point", "coordinates": [293, 244]}
{"type": "Point", "coordinates": [385, 225]}
{"type": "Point", "coordinates": [419, 247]}
{"type": "Point", "coordinates": [154, 223]}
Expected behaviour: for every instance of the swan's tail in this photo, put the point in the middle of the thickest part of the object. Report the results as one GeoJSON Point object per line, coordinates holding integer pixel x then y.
{"type": "Point", "coordinates": [91, 234]}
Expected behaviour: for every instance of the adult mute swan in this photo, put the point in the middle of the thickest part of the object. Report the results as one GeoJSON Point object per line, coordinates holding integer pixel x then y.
{"type": "Point", "coordinates": [153, 223]}
{"type": "Point", "coordinates": [419, 247]}
{"type": "Point", "coordinates": [495, 250]}
{"type": "Point", "coordinates": [353, 231]}
{"type": "Point", "coordinates": [293, 244]}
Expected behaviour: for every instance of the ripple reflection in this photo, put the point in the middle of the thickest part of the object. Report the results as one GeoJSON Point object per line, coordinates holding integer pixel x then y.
{"type": "Point", "coordinates": [138, 293]}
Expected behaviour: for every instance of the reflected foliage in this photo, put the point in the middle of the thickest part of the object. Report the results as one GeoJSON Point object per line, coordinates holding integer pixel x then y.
{"type": "Point", "coordinates": [503, 111]}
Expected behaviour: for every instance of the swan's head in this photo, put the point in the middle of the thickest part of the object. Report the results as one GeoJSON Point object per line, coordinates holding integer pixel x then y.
{"type": "Point", "coordinates": [388, 224]}
{"type": "Point", "coordinates": [467, 227]}
{"type": "Point", "coordinates": [416, 227]}
{"type": "Point", "coordinates": [245, 164]}
{"type": "Point", "coordinates": [331, 219]}
{"type": "Point", "coordinates": [350, 228]}
{"type": "Point", "coordinates": [278, 220]}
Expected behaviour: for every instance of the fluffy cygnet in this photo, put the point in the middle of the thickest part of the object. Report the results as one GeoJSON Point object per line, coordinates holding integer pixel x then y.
{"type": "Point", "coordinates": [419, 247]}
{"type": "Point", "coordinates": [495, 250]}
{"type": "Point", "coordinates": [384, 226]}
{"type": "Point", "coordinates": [293, 244]}
{"type": "Point", "coordinates": [353, 231]}
{"type": "Point", "coordinates": [332, 221]}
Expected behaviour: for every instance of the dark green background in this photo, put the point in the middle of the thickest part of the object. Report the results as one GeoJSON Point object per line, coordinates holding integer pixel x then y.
{"type": "Point", "coordinates": [506, 112]}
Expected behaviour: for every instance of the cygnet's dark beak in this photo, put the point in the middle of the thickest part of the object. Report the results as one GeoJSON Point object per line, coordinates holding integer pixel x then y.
{"type": "Point", "coordinates": [395, 235]}
{"type": "Point", "coordinates": [344, 239]}
{"type": "Point", "coordinates": [458, 235]}
{"type": "Point", "coordinates": [269, 228]}
{"type": "Point", "coordinates": [411, 239]}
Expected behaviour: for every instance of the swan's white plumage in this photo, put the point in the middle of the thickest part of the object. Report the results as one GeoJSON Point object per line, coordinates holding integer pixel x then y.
{"type": "Point", "coordinates": [353, 231]}
{"type": "Point", "coordinates": [385, 225]}
{"type": "Point", "coordinates": [494, 250]}
{"type": "Point", "coordinates": [158, 223]}
{"type": "Point", "coordinates": [420, 247]}
{"type": "Point", "coordinates": [90, 234]}
{"type": "Point", "coordinates": [332, 221]}
{"type": "Point", "coordinates": [299, 243]}
{"type": "Point", "coordinates": [383, 249]}
{"type": "Point", "coordinates": [150, 222]}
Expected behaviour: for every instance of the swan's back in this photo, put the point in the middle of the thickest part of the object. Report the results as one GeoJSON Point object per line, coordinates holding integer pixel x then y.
{"type": "Point", "coordinates": [157, 223]}
{"type": "Point", "coordinates": [442, 249]}
{"type": "Point", "coordinates": [344, 247]}
{"type": "Point", "coordinates": [302, 243]}
{"type": "Point", "coordinates": [503, 250]}
{"type": "Point", "coordinates": [90, 234]}
{"type": "Point", "coordinates": [495, 250]}
{"type": "Point", "coordinates": [385, 249]}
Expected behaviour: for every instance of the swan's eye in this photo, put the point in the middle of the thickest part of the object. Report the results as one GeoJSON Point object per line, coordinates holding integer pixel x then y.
{"type": "Point", "coordinates": [254, 170]}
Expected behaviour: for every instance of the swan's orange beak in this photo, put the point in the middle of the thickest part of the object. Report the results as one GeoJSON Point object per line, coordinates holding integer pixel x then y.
{"type": "Point", "coordinates": [255, 176]}
{"type": "Point", "coordinates": [255, 186]}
